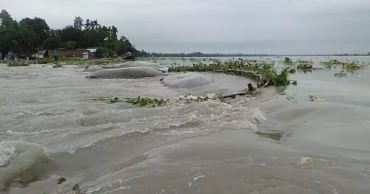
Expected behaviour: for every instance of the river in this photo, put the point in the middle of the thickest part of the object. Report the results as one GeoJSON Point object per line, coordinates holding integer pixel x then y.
{"type": "Point", "coordinates": [52, 126]}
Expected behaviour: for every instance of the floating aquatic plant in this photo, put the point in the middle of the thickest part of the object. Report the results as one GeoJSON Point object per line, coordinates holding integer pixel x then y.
{"type": "Point", "coordinates": [275, 136]}
{"type": "Point", "coordinates": [109, 100]}
{"type": "Point", "coordinates": [346, 65]}
{"type": "Point", "coordinates": [340, 74]}
{"type": "Point", "coordinates": [287, 60]}
{"type": "Point", "coordinates": [150, 102]}
{"type": "Point", "coordinates": [76, 189]}
{"type": "Point", "coordinates": [316, 99]}
{"type": "Point", "coordinates": [304, 66]}
{"type": "Point", "coordinates": [263, 73]}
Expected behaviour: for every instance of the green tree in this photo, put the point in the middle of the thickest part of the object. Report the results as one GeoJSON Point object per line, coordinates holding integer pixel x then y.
{"type": "Point", "coordinates": [70, 45]}
{"type": "Point", "coordinates": [51, 43]}
{"type": "Point", "coordinates": [78, 23]}
{"type": "Point", "coordinates": [32, 33]}
{"type": "Point", "coordinates": [8, 33]}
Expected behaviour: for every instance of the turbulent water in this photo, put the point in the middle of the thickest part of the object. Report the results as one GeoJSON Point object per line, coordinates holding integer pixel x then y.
{"type": "Point", "coordinates": [51, 126]}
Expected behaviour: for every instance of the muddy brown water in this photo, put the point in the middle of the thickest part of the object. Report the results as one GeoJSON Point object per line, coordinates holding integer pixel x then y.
{"type": "Point", "coordinates": [278, 143]}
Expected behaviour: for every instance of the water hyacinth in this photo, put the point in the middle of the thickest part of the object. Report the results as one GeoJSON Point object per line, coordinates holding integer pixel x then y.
{"type": "Point", "coordinates": [346, 65]}
{"type": "Point", "coordinates": [109, 100]}
{"type": "Point", "coordinates": [150, 102]}
{"type": "Point", "coordinates": [305, 66]}
{"type": "Point", "coordinates": [263, 73]}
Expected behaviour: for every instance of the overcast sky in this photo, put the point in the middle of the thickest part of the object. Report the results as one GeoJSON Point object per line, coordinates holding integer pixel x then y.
{"type": "Point", "coordinates": [227, 26]}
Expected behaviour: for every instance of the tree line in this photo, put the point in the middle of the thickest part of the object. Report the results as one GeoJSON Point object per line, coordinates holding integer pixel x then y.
{"type": "Point", "coordinates": [35, 34]}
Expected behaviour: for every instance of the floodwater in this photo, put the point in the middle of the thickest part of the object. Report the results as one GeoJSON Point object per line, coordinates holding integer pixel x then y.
{"type": "Point", "coordinates": [51, 126]}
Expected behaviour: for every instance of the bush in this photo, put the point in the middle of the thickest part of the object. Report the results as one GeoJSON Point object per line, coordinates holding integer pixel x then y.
{"type": "Point", "coordinates": [17, 63]}
{"type": "Point", "coordinates": [46, 60]}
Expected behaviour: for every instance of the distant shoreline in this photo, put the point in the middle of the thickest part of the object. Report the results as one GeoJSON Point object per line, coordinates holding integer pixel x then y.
{"type": "Point", "coordinates": [210, 55]}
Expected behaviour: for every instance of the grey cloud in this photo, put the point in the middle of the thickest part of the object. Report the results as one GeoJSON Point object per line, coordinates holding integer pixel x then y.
{"type": "Point", "coordinates": [248, 26]}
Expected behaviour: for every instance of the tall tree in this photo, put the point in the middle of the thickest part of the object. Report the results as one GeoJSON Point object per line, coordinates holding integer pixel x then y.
{"type": "Point", "coordinates": [78, 23]}
{"type": "Point", "coordinates": [33, 33]}
{"type": "Point", "coordinates": [8, 33]}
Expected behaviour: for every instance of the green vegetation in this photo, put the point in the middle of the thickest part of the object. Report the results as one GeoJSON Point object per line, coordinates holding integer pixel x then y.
{"type": "Point", "coordinates": [304, 66]}
{"type": "Point", "coordinates": [347, 65]}
{"type": "Point", "coordinates": [262, 72]}
{"type": "Point", "coordinates": [45, 60]}
{"type": "Point", "coordinates": [316, 99]}
{"type": "Point", "coordinates": [188, 98]}
{"type": "Point", "coordinates": [110, 100]}
{"type": "Point", "coordinates": [340, 74]}
{"type": "Point", "coordinates": [150, 102]}
{"type": "Point", "coordinates": [288, 60]}
{"type": "Point", "coordinates": [17, 63]}
{"type": "Point", "coordinates": [31, 34]}
{"type": "Point", "coordinates": [275, 136]}
{"type": "Point", "coordinates": [291, 71]}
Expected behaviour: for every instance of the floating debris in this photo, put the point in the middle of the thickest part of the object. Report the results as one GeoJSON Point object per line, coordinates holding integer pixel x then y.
{"type": "Point", "coordinates": [316, 99]}
{"type": "Point", "coordinates": [275, 136]}
{"type": "Point", "coordinates": [110, 100]}
{"type": "Point", "coordinates": [150, 102]}
{"type": "Point", "coordinates": [261, 72]}
{"type": "Point", "coordinates": [340, 74]}
{"type": "Point", "coordinates": [76, 189]}
{"type": "Point", "coordinates": [61, 180]}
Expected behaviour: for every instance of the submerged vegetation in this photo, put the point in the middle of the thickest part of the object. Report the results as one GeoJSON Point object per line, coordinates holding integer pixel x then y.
{"type": "Point", "coordinates": [340, 74]}
{"type": "Point", "coordinates": [304, 66]}
{"type": "Point", "coordinates": [187, 98]}
{"type": "Point", "coordinates": [316, 99]}
{"type": "Point", "coordinates": [150, 102]}
{"type": "Point", "coordinates": [287, 60]}
{"type": "Point", "coordinates": [353, 65]}
{"type": "Point", "coordinates": [109, 100]}
{"type": "Point", "coordinates": [264, 73]}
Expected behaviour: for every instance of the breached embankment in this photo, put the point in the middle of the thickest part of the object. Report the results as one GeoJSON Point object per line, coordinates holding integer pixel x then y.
{"type": "Point", "coordinates": [126, 73]}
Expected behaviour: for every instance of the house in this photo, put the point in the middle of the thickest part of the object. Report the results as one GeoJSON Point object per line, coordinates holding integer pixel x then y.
{"type": "Point", "coordinates": [42, 54]}
{"type": "Point", "coordinates": [70, 53]}
{"type": "Point", "coordinates": [85, 55]}
{"type": "Point", "coordinates": [91, 51]}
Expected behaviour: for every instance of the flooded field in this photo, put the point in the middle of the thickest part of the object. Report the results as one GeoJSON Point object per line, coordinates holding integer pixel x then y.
{"type": "Point", "coordinates": [280, 142]}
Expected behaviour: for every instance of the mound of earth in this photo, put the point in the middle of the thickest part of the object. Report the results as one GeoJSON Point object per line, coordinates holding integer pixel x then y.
{"type": "Point", "coordinates": [126, 73]}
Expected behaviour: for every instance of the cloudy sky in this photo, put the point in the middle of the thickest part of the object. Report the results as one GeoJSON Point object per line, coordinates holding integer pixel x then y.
{"type": "Point", "coordinates": [227, 26]}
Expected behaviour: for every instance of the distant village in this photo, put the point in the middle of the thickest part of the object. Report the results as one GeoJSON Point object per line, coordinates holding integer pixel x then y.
{"type": "Point", "coordinates": [88, 53]}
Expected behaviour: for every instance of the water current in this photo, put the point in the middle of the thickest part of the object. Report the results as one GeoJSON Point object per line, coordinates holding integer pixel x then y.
{"type": "Point", "coordinates": [51, 126]}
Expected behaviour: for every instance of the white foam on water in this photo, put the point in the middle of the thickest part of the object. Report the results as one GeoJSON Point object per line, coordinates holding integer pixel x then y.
{"type": "Point", "coordinates": [7, 152]}
{"type": "Point", "coordinates": [17, 156]}
{"type": "Point", "coordinates": [35, 133]}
